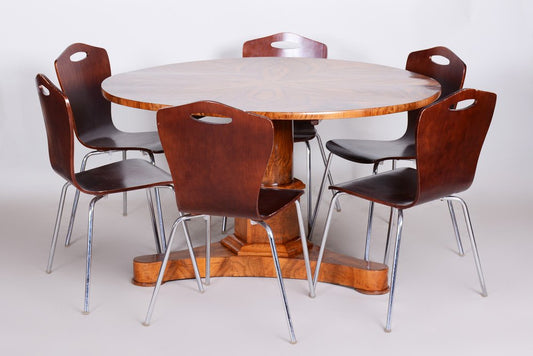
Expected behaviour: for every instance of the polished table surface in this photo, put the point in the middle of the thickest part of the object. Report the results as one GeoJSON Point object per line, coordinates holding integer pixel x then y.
{"type": "Point", "coordinates": [282, 89]}
{"type": "Point", "coordinates": [279, 88]}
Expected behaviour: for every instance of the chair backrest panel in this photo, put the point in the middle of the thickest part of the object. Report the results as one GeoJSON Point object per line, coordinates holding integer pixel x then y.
{"type": "Point", "coordinates": [284, 44]}
{"type": "Point", "coordinates": [59, 127]}
{"type": "Point", "coordinates": [450, 74]}
{"type": "Point", "coordinates": [449, 141]}
{"type": "Point", "coordinates": [217, 168]}
{"type": "Point", "coordinates": [81, 69]}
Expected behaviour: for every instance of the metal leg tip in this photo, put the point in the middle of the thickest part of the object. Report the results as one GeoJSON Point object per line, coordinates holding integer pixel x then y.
{"type": "Point", "coordinates": [485, 294]}
{"type": "Point", "coordinates": [387, 330]}
{"type": "Point", "coordinates": [293, 342]}
{"type": "Point", "coordinates": [145, 323]}
{"type": "Point", "coordinates": [85, 312]}
{"type": "Point", "coordinates": [312, 295]}
{"type": "Point", "coordinates": [48, 271]}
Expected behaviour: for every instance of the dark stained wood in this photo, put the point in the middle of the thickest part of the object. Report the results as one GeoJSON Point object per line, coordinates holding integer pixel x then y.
{"type": "Point", "coordinates": [448, 144]}
{"type": "Point", "coordinates": [279, 88]}
{"type": "Point", "coordinates": [81, 80]}
{"type": "Point", "coordinates": [451, 77]}
{"type": "Point", "coordinates": [284, 44]}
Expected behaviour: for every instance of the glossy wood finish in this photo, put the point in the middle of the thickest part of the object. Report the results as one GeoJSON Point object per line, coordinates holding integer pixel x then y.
{"type": "Point", "coordinates": [448, 144]}
{"type": "Point", "coordinates": [282, 89]}
{"type": "Point", "coordinates": [287, 44]}
{"type": "Point", "coordinates": [81, 68]}
{"type": "Point", "coordinates": [278, 88]}
{"type": "Point", "coordinates": [284, 44]}
{"type": "Point", "coordinates": [111, 178]}
{"type": "Point", "coordinates": [365, 277]}
{"type": "Point", "coordinates": [450, 75]}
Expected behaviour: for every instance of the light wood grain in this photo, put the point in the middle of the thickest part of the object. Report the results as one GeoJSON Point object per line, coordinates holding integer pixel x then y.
{"type": "Point", "coordinates": [279, 88]}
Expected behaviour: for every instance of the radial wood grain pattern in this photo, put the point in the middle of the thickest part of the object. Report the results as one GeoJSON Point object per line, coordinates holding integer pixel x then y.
{"type": "Point", "coordinates": [279, 88]}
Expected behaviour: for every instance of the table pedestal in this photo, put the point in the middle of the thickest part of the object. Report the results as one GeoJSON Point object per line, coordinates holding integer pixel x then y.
{"type": "Point", "coordinates": [247, 251]}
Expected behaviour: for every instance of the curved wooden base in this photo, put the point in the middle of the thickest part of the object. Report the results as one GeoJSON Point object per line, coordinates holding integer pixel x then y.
{"type": "Point", "coordinates": [365, 277]}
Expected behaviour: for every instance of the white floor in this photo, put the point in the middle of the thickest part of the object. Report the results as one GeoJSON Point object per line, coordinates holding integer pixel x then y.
{"type": "Point", "coordinates": [438, 308]}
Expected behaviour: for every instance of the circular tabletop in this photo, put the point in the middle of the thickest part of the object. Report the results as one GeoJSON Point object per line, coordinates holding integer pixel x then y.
{"type": "Point", "coordinates": [279, 88]}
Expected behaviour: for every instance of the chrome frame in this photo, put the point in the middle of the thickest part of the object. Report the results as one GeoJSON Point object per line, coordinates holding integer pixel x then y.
{"type": "Point", "coordinates": [399, 227]}
{"type": "Point", "coordinates": [208, 257]}
{"type": "Point", "coordinates": [161, 246]}
{"type": "Point", "coordinates": [89, 236]}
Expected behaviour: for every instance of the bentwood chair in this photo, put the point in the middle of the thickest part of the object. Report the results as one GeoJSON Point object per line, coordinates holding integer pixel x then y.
{"type": "Point", "coordinates": [80, 69]}
{"type": "Point", "coordinates": [449, 70]}
{"type": "Point", "coordinates": [217, 167]}
{"type": "Point", "coordinates": [448, 141]}
{"type": "Point", "coordinates": [117, 177]}
{"type": "Point", "coordinates": [286, 44]}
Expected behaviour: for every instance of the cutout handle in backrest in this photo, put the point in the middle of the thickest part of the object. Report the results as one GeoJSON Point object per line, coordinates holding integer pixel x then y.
{"type": "Point", "coordinates": [449, 141]}
{"type": "Point", "coordinates": [217, 169]}
{"type": "Point", "coordinates": [441, 64]}
{"type": "Point", "coordinates": [78, 56]}
{"type": "Point", "coordinates": [59, 130]}
{"type": "Point", "coordinates": [80, 80]}
{"type": "Point", "coordinates": [284, 44]}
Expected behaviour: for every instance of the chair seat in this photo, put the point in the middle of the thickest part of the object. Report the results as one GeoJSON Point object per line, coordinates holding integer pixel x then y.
{"type": "Point", "coordinates": [122, 176]}
{"type": "Point", "coordinates": [271, 201]}
{"type": "Point", "coordinates": [303, 131]}
{"type": "Point", "coordinates": [110, 138]}
{"type": "Point", "coordinates": [372, 151]}
{"type": "Point", "coordinates": [397, 188]}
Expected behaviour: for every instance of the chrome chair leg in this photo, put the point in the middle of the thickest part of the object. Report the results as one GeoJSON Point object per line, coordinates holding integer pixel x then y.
{"type": "Point", "coordinates": [157, 237]}
{"type": "Point", "coordinates": [455, 228]}
{"type": "Point", "coordinates": [389, 232]}
{"type": "Point", "coordinates": [305, 250]}
{"type": "Point", "coordinates": [280, 279]}
{"type": "Point", "coordinates": [324, 238]}
{"type": "Point", "coordinates": [472, 243]}
{"type": "Point", "coordinates": [224, 224]}
{"type": "Point", "coordinates": [369, 221]}
{"type": "Point", "coordinates": [319, 198]}
{"type": "Point", "coordinates": [77, 197]}
{"type": "Point", "coordinates": [309, 187]}
{"type": "Point", "coordinates": [394, 271]}
{"type": "Point", "coordinates": [180, 219]}
{"type": "Point", "coordinates": [207, 280]}
{"type": "Point", "coordinates": [125, 194]}
{"type": "Point", "coordinates": [56, 227]}
{"type": "Point", "coordinates": [324, 159]}
{"type": "Point", "coordinates": [89, 252]}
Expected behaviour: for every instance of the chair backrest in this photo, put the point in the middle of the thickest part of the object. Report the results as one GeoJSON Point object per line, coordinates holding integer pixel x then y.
{"type": "Point", "coordinates": [284, 44]}
{"type": "Point", "coordinates": [441, 64]}
{"type": "Point", "coordinates": [80, 70]}
{"type": "Point", "coordinates": [448, 142]}
{"type": "Point", "coordinates": [59, 127]}
{"type": "Point", "coordinates": [217, 167]}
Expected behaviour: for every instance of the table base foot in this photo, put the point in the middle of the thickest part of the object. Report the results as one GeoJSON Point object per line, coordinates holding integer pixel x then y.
{"type": "Point", "coordinates": [365, 277]}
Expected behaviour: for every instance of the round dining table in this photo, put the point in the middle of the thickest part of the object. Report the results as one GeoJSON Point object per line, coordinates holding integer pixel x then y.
{"type": "Point", "coordinates": [282, 89]}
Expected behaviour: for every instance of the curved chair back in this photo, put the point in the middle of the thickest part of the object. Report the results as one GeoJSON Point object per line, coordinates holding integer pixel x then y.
{"type": "Point", "coordinates": [217, 167]}
{"type": "Point", "coordinates": [81, 69]}
{"type": "Point", "coordinates": [449, 141]}
{"type": "Point", "coordinates": [59, 127]}
{"type": "Point", "coordinates": [275, 46]}
{"type": "Point", "coordinates": [450, 75]}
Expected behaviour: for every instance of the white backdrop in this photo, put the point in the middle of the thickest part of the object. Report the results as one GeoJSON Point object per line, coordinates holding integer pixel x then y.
{"type": "Point", "coordinates": [494, 38]}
